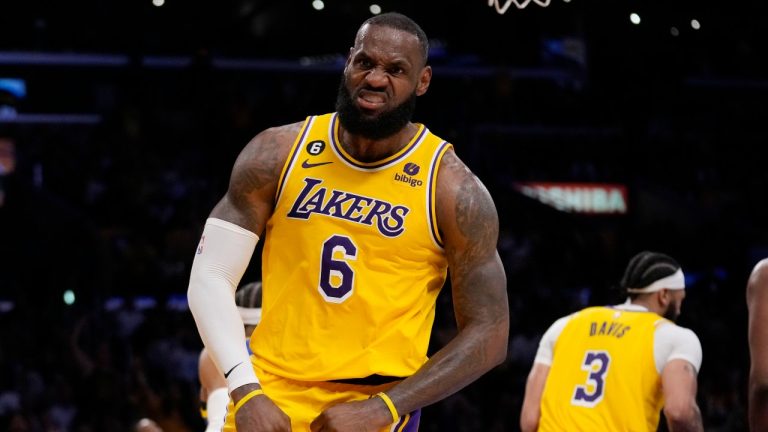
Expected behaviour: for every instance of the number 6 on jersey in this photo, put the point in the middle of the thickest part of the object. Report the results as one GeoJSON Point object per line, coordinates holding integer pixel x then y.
{"type": "Point", "coordinates": [337, 278]}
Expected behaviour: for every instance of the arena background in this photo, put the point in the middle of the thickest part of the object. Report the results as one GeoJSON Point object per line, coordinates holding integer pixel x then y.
{"type": "Point", "coordinates": [597, 138]}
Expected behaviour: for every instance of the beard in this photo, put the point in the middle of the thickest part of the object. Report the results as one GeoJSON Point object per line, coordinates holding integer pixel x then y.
{"type": "Point", "coordinates": [671, 312]}
{"type": "Point", "coordinates": [374, 127]}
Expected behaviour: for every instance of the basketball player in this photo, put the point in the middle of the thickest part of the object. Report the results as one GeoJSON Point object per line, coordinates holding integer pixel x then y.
{"type": "Point", "coordinates": [363, 212]}
{"type": "Point", "coordinates": [213, 386]}
{"type": "Point", "coordinates": [757, 304]}
{"type": "Point", "coordinates": [613, 368]}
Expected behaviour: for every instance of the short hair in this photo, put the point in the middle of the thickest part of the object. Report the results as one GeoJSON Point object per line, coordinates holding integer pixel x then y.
{"type": "Point", "coordinates": [399, 21]}
{"type": "Point", "coordinates": [249, 295]}
{"type": "Point", "coordinates": [646, 268]}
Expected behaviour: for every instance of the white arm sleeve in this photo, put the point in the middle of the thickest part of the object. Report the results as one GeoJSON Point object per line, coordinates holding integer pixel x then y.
{"type": "Point", "coordinates": [222, 257]}
{"type": "Point", "coordinates": [674, 342]}
{"type": "Point", "coordinates": [216, 405]}
{"type": "Point", "coordinates": [546, 351]}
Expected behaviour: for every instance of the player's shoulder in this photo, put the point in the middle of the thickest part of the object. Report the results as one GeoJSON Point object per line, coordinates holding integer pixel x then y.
{"type": "Point", "coordinates": [560, 323]}
{"type": "Point", "coordinates": [760, 271]}
{"type": "Point", "coordinates": [289, 128]}
{"type": "Point", "coordinates": [266, 152]}
{"type": "Point", "coordinates": [668, 329]}
{"type": "Point", "coordinates": [565, 319]}
{"type": "Point", "coordinates": [553, 332]}
{"type": "Point", "coordinates": [456, 179]}
{"type": "Point", "coordinates": [452, 165]}
{"type": "Point", "coordinates": [585, 313]}
{"type": "Point", "coordinates": [757, 286]}
{"type": "Point", "coordinates": [277, 137]}
{"type": "Point", "coordinates": [463, 202]}
{"type": "Point", "coordinates": [593, 309]}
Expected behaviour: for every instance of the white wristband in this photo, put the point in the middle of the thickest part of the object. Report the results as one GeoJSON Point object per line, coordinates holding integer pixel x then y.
{"type": "Point", "coordinates": [217, 409]}
{"type": "Point", "coordinates": [241, 375]}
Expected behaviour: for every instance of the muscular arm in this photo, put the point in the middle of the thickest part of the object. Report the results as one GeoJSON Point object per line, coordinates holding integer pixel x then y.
{"type": "Point", "coordinates": [757, 304]}
{"type": "Point", "coordinates": [250, 198]}
{"type": "Point", "coordinates": [469, 225]}
{"type": "Point", "coordinates": [678, 381]}
{"type": "Point", "coordinates": [221, 258]}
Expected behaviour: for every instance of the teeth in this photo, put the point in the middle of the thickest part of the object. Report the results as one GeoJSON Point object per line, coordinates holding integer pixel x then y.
{"type": "Point", "coordinates": [372, 98]}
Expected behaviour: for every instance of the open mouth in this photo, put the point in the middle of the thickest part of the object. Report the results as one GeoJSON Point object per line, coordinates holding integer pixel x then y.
{"type": "Point", "coordinates": [371, 100]}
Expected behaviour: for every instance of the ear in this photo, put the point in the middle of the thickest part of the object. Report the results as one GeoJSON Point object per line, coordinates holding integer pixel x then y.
{"type": "Point", "coordinates": [664, 297]}
{"type": "Point", "coordinates": [425, 77]}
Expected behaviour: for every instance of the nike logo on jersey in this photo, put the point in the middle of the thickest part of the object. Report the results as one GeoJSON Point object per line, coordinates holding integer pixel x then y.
{"type": "Point", "coordinates": [306, 164]}
{"type": "Point", "coordinates": [226, 375]}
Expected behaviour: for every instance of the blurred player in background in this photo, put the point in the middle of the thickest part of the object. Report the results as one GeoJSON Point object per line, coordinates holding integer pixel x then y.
{"type": "Point", "coordinates": [613, 368]}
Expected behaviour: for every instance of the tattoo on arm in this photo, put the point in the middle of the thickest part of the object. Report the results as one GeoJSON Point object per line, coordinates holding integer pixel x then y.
{"type": "Point", "coordinates": [250, 197]}
{"type": "Point", "coordinates": [473, 258]}
{"type": "Point", "coordinates": [469, 226]}
{"type": "Point", "coordinates": [477, 222]}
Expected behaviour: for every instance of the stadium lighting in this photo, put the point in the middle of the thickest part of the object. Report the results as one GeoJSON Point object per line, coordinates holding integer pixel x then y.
{"type": "Point", "coordinates": [318, 4]}
{"type": "Point", "coordinates": [69, 297]}
{"type": "Point", "coordinates": [375, 9]}
{"type": "Point", "coordinates": [695, 24]}
{"type": "Point", "coordinates": [634, 18]}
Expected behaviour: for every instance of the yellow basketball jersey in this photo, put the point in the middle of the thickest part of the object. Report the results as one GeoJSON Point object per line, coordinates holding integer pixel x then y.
{"type": "Point", "coordinates": [603, 376]}
{"type": "Point", "coordinates": [352, 261]}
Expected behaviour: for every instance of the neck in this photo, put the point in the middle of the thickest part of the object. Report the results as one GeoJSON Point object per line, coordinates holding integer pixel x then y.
{"type": "Point", "coordinates": [371, 150]}
{"type": "Point", "coordinates": [647, 302]}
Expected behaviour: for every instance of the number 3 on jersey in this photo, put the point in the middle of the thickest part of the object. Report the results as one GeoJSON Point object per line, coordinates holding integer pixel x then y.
{"type": "Point", "coordinates": [590, 394]}
{"type": "Point", "coordinates": [337, 279]}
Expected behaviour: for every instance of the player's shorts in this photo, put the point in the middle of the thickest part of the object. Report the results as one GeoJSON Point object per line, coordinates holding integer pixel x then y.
{"type": "Point", "coordinates": [304, 401]}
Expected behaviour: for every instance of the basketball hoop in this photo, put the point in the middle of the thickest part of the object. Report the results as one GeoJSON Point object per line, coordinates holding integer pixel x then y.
{"type": "Point", "coordinates": [521, 4]}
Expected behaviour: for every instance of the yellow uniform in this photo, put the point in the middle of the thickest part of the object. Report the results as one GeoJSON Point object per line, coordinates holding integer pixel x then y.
{"type": "Point", "coordinates": [352, 266]}
{"type": "Point", "coordinates": [603, 375]}
{"type": "Point", "coordinates": [303, 401]}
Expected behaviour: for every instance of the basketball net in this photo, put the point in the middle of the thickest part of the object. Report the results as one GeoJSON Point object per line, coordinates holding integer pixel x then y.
{"type": "Point", "coordinates": [521, 4]}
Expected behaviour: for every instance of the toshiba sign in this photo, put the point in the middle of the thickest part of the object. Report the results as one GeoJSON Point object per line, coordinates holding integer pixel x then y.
{"type": "Point", "coordinates": [595, 198]}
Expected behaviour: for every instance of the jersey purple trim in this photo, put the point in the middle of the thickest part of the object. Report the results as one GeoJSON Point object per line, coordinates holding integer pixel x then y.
{"type": "Point", "coordinates": [430, 186]}
{"type": "Point", "coordinates": [292, 159]}
{"type": "Point", "coordinates": [340, 151]}
{"type": "Point", "coordinates": [413, 422]}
